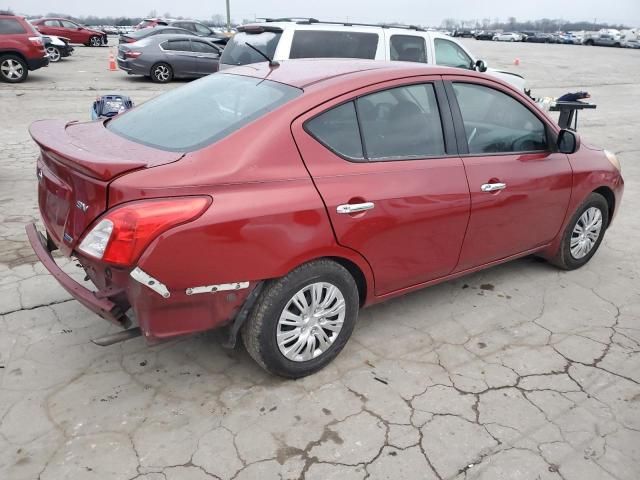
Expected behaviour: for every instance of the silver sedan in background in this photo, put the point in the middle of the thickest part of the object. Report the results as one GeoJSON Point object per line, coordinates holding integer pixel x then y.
{"type": "Point", "coordinates": [165, 57]}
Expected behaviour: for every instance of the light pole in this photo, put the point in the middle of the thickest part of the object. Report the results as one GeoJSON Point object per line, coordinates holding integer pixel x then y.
{"type": "Point", "coordinates": [228, 17]}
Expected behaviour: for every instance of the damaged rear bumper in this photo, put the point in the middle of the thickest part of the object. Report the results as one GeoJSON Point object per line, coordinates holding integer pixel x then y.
{"type": "Point", "coordinates": [98, 302]}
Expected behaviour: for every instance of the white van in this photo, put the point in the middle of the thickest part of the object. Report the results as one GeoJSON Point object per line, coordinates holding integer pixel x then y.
{"type": "Point", "coordinates": [283, 39]}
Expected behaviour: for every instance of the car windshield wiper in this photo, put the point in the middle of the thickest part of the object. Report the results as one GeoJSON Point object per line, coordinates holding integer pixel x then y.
{"type": "Point", "coordinates": [272, 63]}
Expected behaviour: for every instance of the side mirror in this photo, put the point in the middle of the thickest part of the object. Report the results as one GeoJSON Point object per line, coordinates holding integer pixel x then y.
{"type": "Point", "coordinates": [568, 141]}
{"type": "Point", "coordinates": [481, 66]}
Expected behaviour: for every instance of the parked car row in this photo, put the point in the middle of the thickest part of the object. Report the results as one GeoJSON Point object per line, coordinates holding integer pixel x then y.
{"type": "Point", "coordinates": [603, 38]}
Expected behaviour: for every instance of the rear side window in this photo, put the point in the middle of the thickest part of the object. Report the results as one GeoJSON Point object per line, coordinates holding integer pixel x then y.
{"type": "Point", "coordinates": [399, 123]}
{"type": "Point", "coordinates": [9, 26]}
{"type": "Point", "coordinates": [494, 122]}
{"type": "Point", "coordinates": [201, 113]}
{"type": "Point", "coordinates": [68, 24]}
{"type": "Point", "coordinates": [408, 48]}
{"type": "Point", "coordinates": [331, 44]}
{"type": "Point", "coordinates": [337, 129]}
{"type": "Point", "coordinates": [177, 45]}
{"type": "Point", "coordinates": [238, 53]}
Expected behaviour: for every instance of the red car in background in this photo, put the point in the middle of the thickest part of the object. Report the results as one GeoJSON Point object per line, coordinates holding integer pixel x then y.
{"type": "Point", "coordinates": [278, 200]}
{"type": "Point", "coordinates": [21, 49]}
{"type": "Point", "coordinates": [76, 33]}
{"type": "Point", "coordinates": [151, 22]}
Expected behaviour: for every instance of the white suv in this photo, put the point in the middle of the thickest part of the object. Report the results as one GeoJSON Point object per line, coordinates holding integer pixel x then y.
{"type": "Point", "coordinates": [283, 39]}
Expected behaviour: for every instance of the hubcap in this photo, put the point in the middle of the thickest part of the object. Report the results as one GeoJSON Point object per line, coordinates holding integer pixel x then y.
{"type": "Point", "coordinates": [12, 69]}
{"type": "Point", "coordinates": [162, 73]}
{"type": "Point", "coordinates": [586, 232]}
{"type": "Point", "coordinates": [311, 321]}
{"type": "Point", "coordinates": [95, 41]}
{"type": "Point", "coordinates": [54, 54]}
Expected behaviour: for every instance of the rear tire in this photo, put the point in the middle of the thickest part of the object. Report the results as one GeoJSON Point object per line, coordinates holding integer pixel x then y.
{"type": "Point", "coordinates": [13, 69]}
{"type": "Point", "coordinates": [584, 233]}
{"type": "Point", "coordinates": [161, 73]}
{"type": "Point", "coordinates": [54, 54]}
{"type": "Point", "coordinates": [291, 341]}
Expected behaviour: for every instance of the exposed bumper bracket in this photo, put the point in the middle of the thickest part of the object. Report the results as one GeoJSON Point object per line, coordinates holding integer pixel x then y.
{"type": "Point", "coordinates": [221, 287]}
{"type": "Point", "coordinates": [147, 280]}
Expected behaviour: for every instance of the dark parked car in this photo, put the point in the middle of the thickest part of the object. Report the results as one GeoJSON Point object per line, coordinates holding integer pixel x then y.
{"type": "Point", "coordinates": [21, 49]}
{"type": "Point", "coordinates": [539, 38]}
{"type": "Point", "coordinates": [165, 57]}
{"type": "Point", "coordinates": [147, 32]}
{"type": "Point", "coordinates": [199, 29]}
{"type": "Point", "coordinates": [57, 47]}
{"type": "Point", "coordinates": [259, 200]}
{"type": "Point", "coordinates": [76, 33]}
{"type": "Point", "coordinates": [463, 33]}
{"type": "Point", "coordinates": [485, 35]}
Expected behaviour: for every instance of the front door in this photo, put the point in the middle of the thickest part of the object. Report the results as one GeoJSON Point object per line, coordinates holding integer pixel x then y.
{"type": "Point", "coordinates": [206, 57]}
{"type": "Point", "coordinates": [394, 188]}
{"type": "Point", "coordinates": [519, 187]}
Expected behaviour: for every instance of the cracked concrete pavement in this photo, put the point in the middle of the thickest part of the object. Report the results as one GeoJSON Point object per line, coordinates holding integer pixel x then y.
{"type": "Point", "coordinates": [518, 372]}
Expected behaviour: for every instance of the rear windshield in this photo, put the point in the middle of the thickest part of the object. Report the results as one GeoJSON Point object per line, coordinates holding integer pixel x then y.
{"type": "Point", "coordinates": [10, 26]}
{"type": "Point", "coordinates": [201, 113]}
{"type": "Point", "coordinates": [238, 53]}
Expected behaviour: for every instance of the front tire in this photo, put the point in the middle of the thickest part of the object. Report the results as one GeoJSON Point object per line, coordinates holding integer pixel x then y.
{"type": "Point", "coordinates": [13, 69]}
{"type": "Point", "coordinates": [303, 320]}
{"type": "Point", "coordinates": [584, 233]}
{"type": "Point", "coordinates": [95, 41]}
{"type": "Point", "coordinates": [161, 73]}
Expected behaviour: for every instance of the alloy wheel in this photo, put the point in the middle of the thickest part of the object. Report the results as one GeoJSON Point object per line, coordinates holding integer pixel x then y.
{"type": "Point", "coordinates": [311, 322]}
{"type": "Point", "coordinates": [586, 232]}
{"type": "Point", "coordinates": [54, 54]}
{"type": "Point", "coordinates": [162, 73]}
{"type": "Point", "coordinates": [12, 69]}
{"type": "Point", "coordinates": [95, 42]}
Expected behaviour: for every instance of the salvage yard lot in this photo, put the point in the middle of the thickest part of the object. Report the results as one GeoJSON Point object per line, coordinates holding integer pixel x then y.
{"type": "Point", "coordinates": [521, 371]}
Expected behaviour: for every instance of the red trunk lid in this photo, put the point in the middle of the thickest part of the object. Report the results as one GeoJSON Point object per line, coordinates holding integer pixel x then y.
{"type": "Point", "coordinates": [76, 165]}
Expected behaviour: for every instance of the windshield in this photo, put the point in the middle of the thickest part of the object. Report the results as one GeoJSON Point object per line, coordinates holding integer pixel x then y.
{"type": "Point", "coordinates": [238, 53]}
{"type": "Point", "coordinates": [202, 112]}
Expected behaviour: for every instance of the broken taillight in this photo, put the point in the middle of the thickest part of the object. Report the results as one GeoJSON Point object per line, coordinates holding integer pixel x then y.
{"type": "Point", "coordinates": [120, 236]}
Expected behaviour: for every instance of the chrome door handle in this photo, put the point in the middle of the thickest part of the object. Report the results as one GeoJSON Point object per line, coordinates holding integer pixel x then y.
{"type": "Point", "coordinates": [354, 207]}
{"type": "Point", "coordinates": [492, 187]}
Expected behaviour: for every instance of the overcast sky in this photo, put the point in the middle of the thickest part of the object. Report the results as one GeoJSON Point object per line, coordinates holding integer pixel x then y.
{"type": "Point", "coordinates": [370, 11]}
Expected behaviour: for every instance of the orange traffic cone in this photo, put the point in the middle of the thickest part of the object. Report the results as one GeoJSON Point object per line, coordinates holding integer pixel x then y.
{"type": "Point", "coordinates": [112, 62]}
{"type": "Point", "coordinates": [516, 62]}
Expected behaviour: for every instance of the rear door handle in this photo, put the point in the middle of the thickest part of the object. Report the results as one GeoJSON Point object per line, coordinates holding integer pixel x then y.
{"type": "Point", "coordinates": [492, 187]}
{"type": "Point", "coordinates": [355, 207]}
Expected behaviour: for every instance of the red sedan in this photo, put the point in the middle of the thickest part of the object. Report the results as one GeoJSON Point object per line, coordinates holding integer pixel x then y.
{"type": "Point", "coordinates": [279, 200]}
{"type": "Point", "coordinates": [63, 27]}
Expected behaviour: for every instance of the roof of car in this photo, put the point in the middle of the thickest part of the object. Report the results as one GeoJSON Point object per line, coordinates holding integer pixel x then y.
{"type": "Point", "coordinates": [303, 73]}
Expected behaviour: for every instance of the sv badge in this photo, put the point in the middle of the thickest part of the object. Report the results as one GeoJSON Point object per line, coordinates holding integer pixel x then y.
{"type": "Point", "coordinates": [82, 206]}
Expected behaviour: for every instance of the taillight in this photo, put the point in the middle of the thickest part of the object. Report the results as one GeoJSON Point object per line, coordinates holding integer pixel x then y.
{"type": "Point", "coordinates": [132, 54]}
{"type": "Point", "coordinates": [37, 41]}
{"type": "Point", "coordinates": [120, 236]}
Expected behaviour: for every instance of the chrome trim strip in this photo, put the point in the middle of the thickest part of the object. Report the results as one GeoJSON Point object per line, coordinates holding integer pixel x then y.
{"type": "Point", "coordinates": [145, 279]}
{"type": "Point", "coordinates": [221, 287]}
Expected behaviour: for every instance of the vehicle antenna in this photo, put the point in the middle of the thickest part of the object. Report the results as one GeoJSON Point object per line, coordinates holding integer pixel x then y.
{"type": "Point", "coordinates": [272, 63]}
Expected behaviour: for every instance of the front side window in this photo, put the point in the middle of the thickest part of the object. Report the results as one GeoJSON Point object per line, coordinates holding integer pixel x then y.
{"type": "Point", "coordinates": [408, 48]}
{"type": "Point", "coordinates": [203, 47]}
{"type": "Point", "coordinates": [238, 53]}
{"type": "Point", "coordinates": [495, 122]}
{"type": "Point", "coordinates": [68, 24]}
{"type": "Point", "coordinates": [177, 45]}
{"type": "Point", "coordinates": [333, 44]}
{"type": "Point", "coordinates": [201, 29]}
{"type": "Point", "coordinates": [201, 113]}
{"type": "Point", "coordinates": [450, 54]}
{"type": "Point", "coordinates": [337, 129]}
{"type": "Point", "coordinates": [9, 26]}
{"type": "Point", "coordinates": [51, 23]}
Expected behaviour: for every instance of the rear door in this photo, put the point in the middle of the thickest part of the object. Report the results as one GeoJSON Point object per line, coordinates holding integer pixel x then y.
{"type": "Point", "coordinates": [206, 57]}
{"type": "Point", "coordinates": [179, 55]}
{"type": "Point", "coordinates": [520, 187]}
{"type": "Point", "coordinates": [384, 161]}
